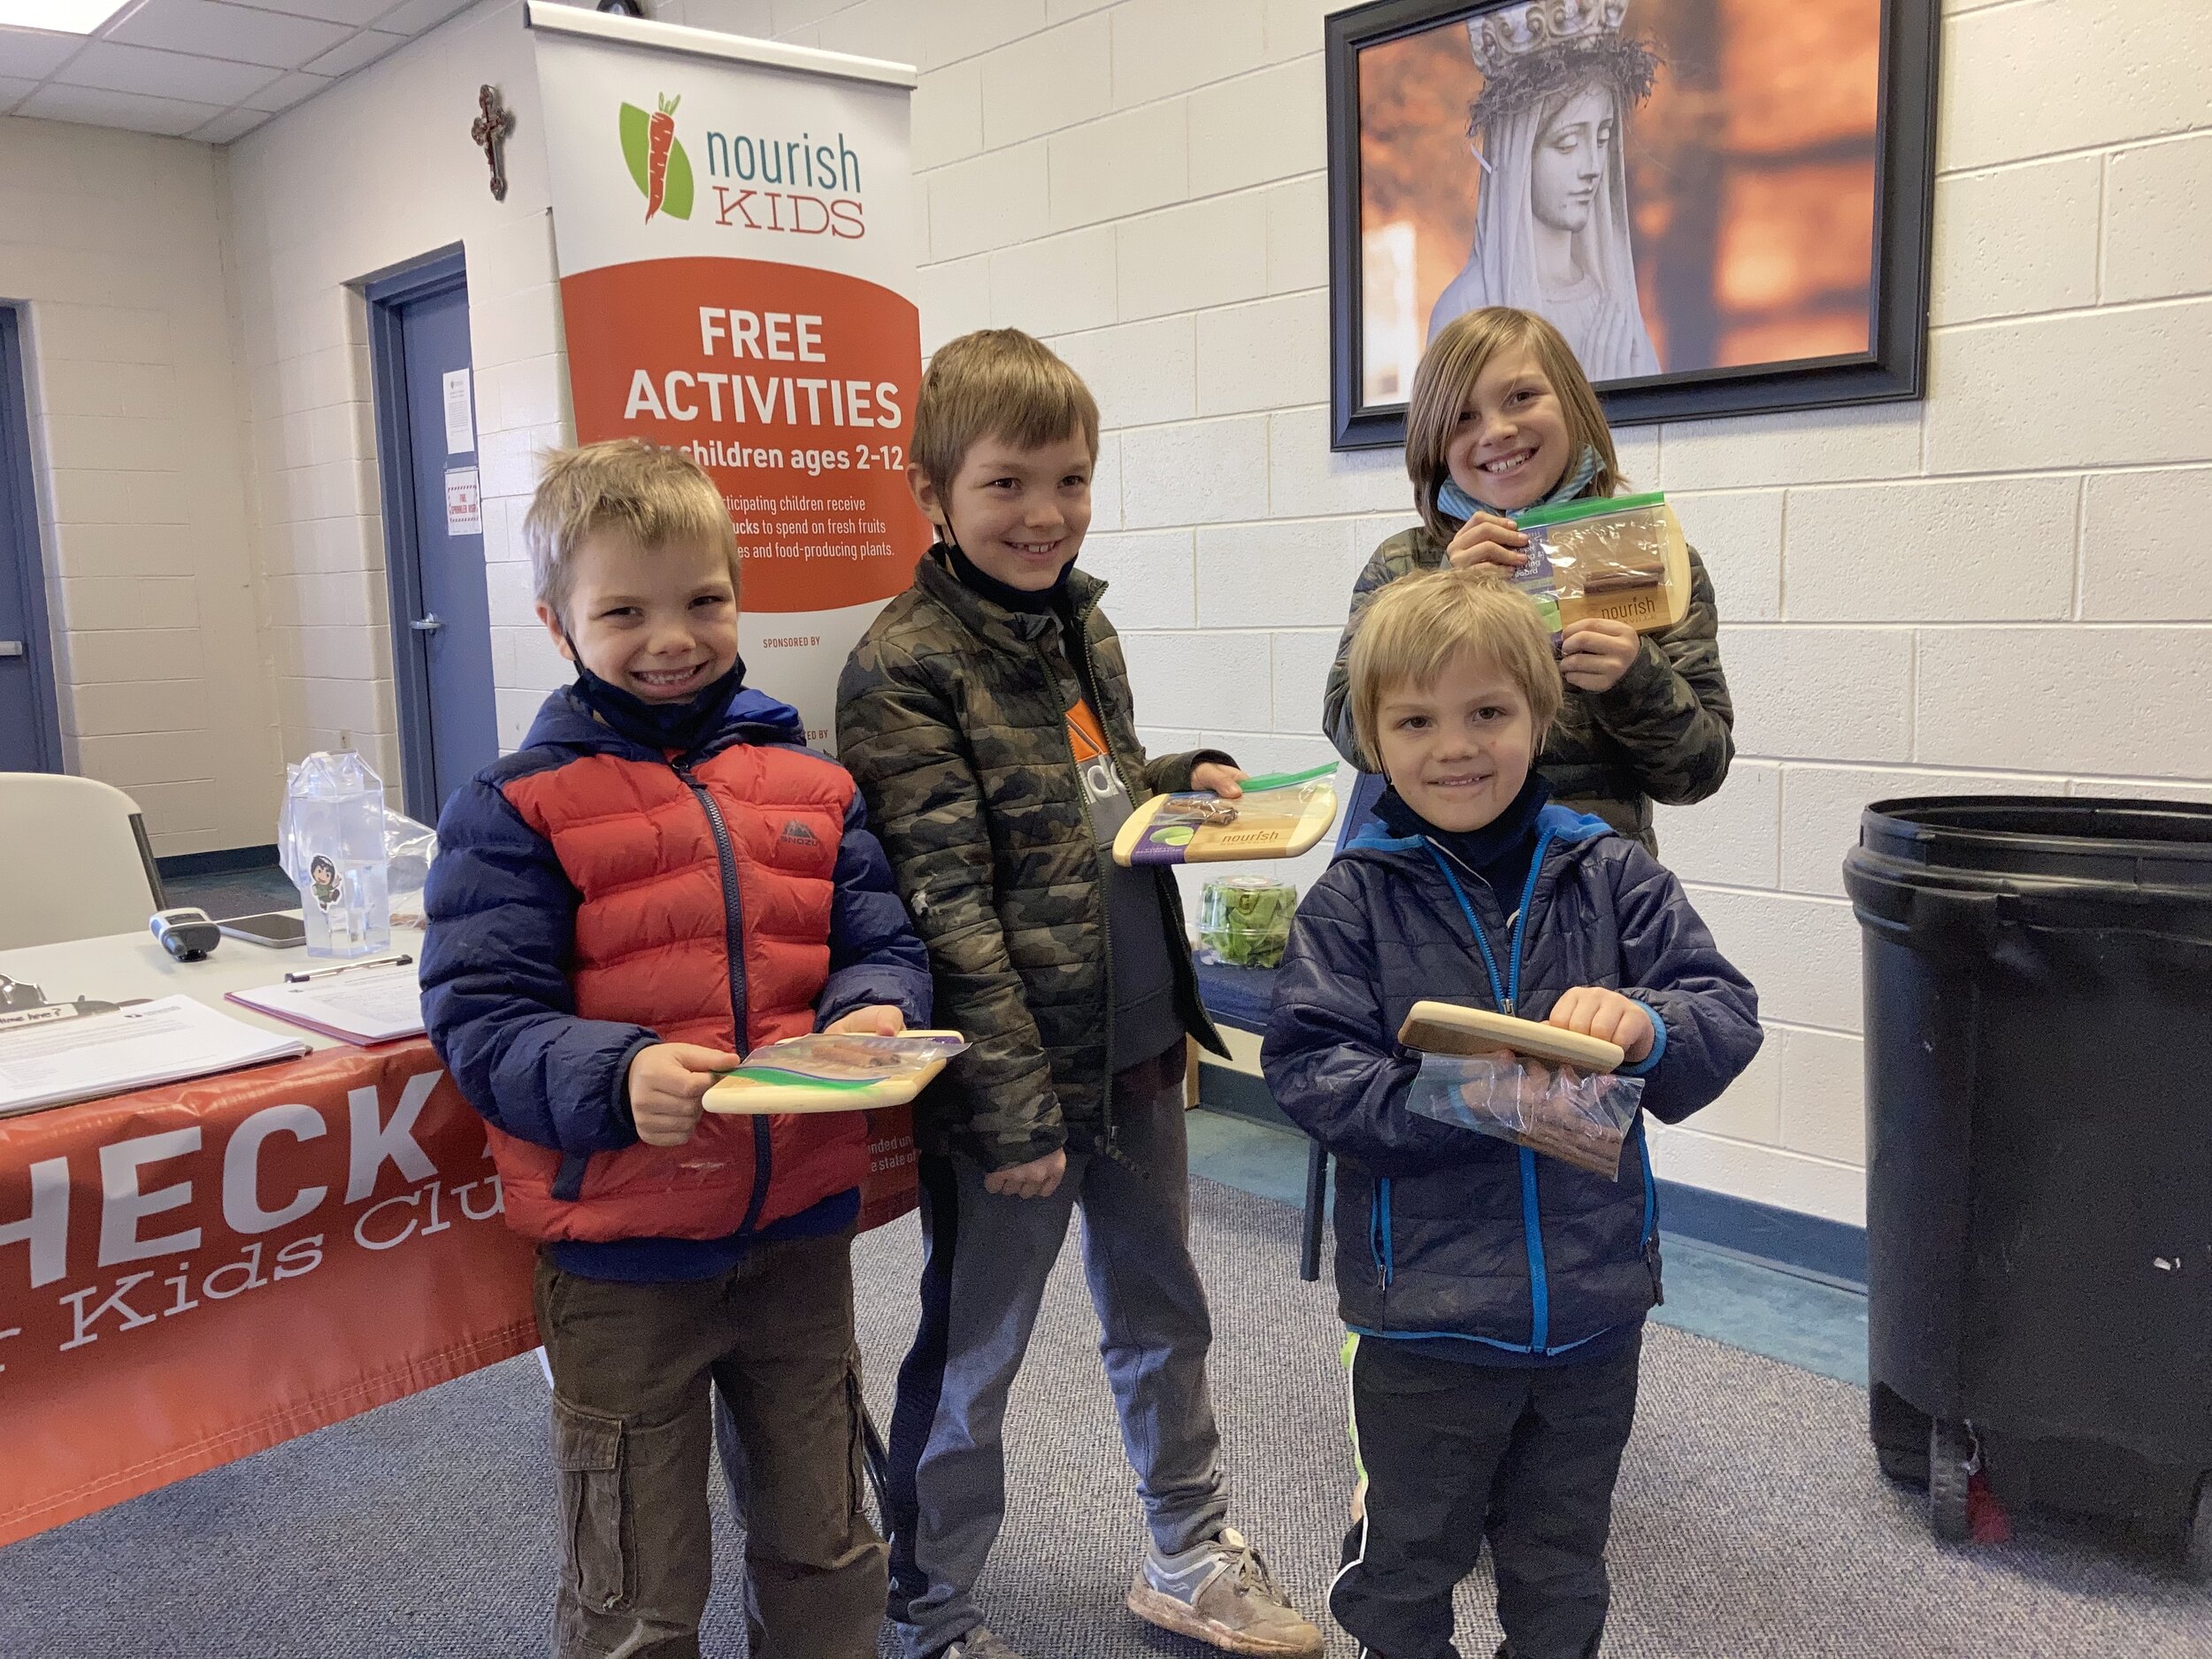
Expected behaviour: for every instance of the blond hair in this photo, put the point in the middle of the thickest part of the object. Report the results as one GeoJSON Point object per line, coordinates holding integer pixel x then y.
{"type": "Point", "coordinates": [997, 383]}
{"type": "Point", "coordinates": [1445, 383]}
{"type": "Point", "coordinates": [1418, 624]}
{"type": "Point", "coordinates": [652, 495]}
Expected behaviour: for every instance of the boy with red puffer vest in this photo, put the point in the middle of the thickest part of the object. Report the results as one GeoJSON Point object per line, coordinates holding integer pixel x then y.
{"type": "Point", "coordinates": [659, 879]}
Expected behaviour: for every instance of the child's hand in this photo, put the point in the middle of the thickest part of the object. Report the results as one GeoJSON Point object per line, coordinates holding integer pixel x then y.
{"type": "Point", "coordinates": [1038, 1178]}
{"type": "Point", "coordinates": [878, 1019]}
{"type": "Point", "coordinates": [667, 1082]}
{"type": "Point", "coordinates": [1486, 539]}
{"type": "Point", "coordinates": [1595, 652]}
{"type": "Point", "coordinates": [1225, 781]}
{"type": "Point", "coordinates": [1596, 1012]}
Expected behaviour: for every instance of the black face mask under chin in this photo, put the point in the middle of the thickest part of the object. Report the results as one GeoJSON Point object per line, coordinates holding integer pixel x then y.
{"type": "Point", "coordinates": [681, 727]}
{"type": "Point", "coordinates": [1005, 595]}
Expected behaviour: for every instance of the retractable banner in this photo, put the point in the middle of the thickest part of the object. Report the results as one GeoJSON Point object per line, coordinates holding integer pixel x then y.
{"type": "Point", "coordinates": [735, 228]}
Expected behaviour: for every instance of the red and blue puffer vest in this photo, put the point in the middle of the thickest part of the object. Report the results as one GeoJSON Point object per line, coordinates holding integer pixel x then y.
{"type": "Point", "coordinates": [704, 913]}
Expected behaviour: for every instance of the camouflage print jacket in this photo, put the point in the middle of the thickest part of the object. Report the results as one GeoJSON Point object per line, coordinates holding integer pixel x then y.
{"type": "Point", "coordinates": [952, 714]}
{"type": "Point", "coordinates": [1662, 734]}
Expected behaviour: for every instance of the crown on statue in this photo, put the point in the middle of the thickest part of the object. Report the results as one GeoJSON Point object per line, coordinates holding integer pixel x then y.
{"type": "Point", "coordinates": [1532, 53]}
{"type": "Point", "coordinates": [1499, 37]}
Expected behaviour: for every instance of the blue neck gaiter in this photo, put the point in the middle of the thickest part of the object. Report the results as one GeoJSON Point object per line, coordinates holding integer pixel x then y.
{"type": "Point", "coordinates": [1456, 503]}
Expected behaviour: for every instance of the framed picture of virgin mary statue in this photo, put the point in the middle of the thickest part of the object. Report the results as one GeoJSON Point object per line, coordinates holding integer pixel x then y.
{"type": "Point", "coordinates": [1724, 204]}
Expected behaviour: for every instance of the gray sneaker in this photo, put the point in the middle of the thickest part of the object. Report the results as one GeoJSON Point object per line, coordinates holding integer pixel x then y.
{"type": "Point", "coordinates": [982, 1642]}
{"type": "Point", "coordinates": [1221, 1592]}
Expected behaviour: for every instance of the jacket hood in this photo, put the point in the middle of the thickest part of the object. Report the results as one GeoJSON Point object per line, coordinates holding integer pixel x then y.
{"type": "Point", "coordinates": [753, 717]}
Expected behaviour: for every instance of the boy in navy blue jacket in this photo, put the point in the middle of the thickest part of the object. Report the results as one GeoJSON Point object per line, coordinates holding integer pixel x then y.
{"type": "Point", "coordinates": [1498, 1294]}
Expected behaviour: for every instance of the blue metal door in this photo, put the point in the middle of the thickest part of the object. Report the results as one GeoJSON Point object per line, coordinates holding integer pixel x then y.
{"type": "Point", "coordinates": [453, 732]}
{"type": "Point", "coordinates": [30, 736]}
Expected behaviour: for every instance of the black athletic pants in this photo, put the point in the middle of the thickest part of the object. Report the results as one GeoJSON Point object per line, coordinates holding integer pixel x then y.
{"type": "Point", "coordinates": [1456, 1453]}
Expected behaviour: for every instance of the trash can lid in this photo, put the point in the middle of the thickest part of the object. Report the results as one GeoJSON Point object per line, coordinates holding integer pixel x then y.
{"type": "Point", "coordinates": [2075, 838]}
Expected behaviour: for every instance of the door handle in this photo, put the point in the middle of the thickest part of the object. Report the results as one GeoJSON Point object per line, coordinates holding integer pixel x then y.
{"type": "Point", "coordinates": [11, 648]}
{"type": "Point", "coordinates": [430, 624]}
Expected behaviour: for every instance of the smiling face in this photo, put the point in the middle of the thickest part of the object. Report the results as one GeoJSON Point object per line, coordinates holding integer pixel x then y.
{"type": "Point", "coordinates": [1511, 448]}
{"type": "Point", "coordinates": [1457, 752]}
{"type": "Point", "coordinates": [660, 623]}
{"type": "Point", "coordinates": [1019, 514]}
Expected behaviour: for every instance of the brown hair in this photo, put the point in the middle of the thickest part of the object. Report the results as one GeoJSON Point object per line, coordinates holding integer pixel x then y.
{"type": "Point", "coordinates": [997, 383]}
{"type": "Point", "coordinates": [1418, 624]}
{"type": "Point", "coordinates": [653, 496]}
{"type": "Point", "coordinates": [1446, 380]}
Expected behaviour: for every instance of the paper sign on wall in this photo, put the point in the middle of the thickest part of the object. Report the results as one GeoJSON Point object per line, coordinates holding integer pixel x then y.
{"type": "Point", "coordinates": [460, 415]}
{"type": "Point", "coordinates": [464, 502]}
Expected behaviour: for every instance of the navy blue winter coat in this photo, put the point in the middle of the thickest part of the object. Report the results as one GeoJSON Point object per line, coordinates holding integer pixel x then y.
{"type": "Point", "coordinates": [1443, 1232]}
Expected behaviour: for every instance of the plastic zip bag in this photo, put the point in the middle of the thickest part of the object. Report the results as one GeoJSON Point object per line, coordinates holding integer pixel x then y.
{"type": "Point", "coordinates": [1579, 1118]}
{"type": "Point", "coordinates": [1621, 556]}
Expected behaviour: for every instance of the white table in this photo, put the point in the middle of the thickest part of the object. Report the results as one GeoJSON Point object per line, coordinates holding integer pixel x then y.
{"type": "Point", "coordinates": [193, 1272]}
{"type": "Point", "coordinates": [121, 967]}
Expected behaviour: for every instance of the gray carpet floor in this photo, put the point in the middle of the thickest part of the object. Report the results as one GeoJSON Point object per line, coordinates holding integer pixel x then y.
{"type": "Point", "coordinates": [1750, 1520]}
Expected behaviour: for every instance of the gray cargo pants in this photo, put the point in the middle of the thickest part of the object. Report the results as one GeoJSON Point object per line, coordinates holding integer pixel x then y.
{"type": "Point", "coordinates": [982, 1283]}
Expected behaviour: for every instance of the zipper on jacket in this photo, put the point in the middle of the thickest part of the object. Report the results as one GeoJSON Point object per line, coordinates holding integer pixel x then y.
{"type": "Point", "coordinates": [1378, 1235]}
{"type": "Point", "coordinates": [733, 931]}
{"type": "Point", "coordinates": [1083, 684]}
{"type": "Point", "coordinates": [1507, 996]}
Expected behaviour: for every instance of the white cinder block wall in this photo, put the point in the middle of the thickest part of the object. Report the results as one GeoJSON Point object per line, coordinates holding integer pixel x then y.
{"type": "Point", "coordinates": [112, 241]}
{"type": "Point", "coordinates": [377, 171]}
{"type": "Point", "coordinates": [2008, 587]}
{"type": "Point", "coordinates": [2004, 587]}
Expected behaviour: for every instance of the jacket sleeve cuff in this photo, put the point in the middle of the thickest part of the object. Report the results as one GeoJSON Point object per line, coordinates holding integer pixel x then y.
{"type": "Point", "coordinates": [1649, 676]}
{"type": "Point", "coordinates": [871, 985]}
{"type": "Point", "coordinates": [620, 1118]}
{"type": "Point", "coordinates": [1651, 1062]}
{"type": "Point", "coordinates": [1170, 774]}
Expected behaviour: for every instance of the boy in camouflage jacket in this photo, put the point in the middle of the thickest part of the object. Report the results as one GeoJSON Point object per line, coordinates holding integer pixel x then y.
{"type": "Point", "coordinates": [987, 715]}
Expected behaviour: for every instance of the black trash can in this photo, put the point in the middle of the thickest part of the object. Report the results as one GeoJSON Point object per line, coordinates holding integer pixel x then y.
{"type": "Point", "coordinates": [2039, 1078]}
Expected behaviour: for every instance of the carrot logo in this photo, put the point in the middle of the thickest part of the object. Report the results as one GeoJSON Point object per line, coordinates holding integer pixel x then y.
{"type": "Point", "coordinates": [657, 164]}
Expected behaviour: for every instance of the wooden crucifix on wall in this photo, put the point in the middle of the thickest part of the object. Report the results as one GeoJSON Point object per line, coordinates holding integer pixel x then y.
{"type": "Point", "coordinates": [490, 131]}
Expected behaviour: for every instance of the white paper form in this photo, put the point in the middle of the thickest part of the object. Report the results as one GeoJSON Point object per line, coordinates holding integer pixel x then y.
{"type": "Point", "coordinates": [55, 1061]}
{"type": "Point", "coordinates": [360, 1006]}
{"type": "Point", "coordinates": [460, 414]}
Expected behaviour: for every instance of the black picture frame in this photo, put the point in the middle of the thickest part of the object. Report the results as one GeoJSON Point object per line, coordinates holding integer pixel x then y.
{"type": "Point", "coordinates": [1894, 371]}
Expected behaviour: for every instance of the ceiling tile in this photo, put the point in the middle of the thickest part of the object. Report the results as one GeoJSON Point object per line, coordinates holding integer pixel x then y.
{"type": "Point", "coordinates": [175, 75]}
{"type": "Point", "coordinates": [99, 107]}
{"type": "Point", "coordinates": [357, 53]}
{"type": "Point", "coordinates": [34, 53]}
{"type": "Point", "coordinates": [11, 90]}
{"type": "Point", "coordinates": [214, 30]}
{"type": "Point", "coordinates": [352, 13]}
{"type": "Point", "coordinates": [418, 17]}
{"type": "Point", "coordinates": [229, 124]}
{"type": "Point", "coordinates": [284, 91]}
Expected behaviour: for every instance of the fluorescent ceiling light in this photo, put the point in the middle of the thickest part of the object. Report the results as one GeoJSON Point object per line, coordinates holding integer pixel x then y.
{"type": "Point", "coordinates": [62, 17]}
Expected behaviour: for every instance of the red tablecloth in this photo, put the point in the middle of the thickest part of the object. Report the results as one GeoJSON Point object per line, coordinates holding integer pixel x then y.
{"type": "Point", "coordinates": [194, 1272]}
